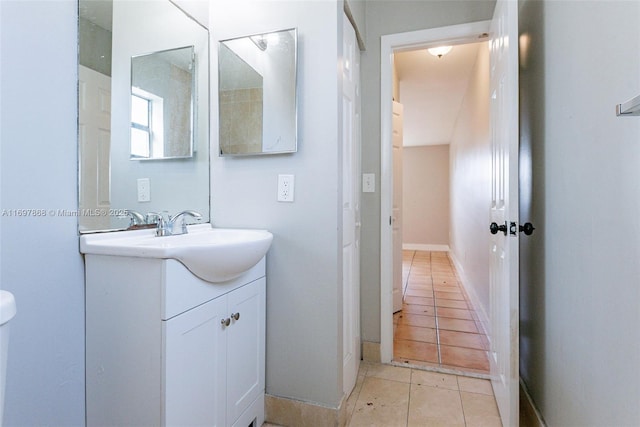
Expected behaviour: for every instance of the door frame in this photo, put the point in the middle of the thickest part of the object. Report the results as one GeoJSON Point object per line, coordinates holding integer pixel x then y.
{"type": "Point", "coordinates": [421, 39]}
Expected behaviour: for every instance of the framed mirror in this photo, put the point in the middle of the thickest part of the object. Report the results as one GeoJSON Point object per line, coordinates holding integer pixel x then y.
{"type": "Point", "coordinates": [257, 94]}
{"type": "Point", "coordinates": [151, 50]}
{"type": "Point", "coordinates": [162, 94]}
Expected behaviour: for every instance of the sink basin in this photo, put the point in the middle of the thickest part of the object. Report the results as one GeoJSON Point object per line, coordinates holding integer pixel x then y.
{"type": "Point", "coordinates": [212, 254]}
{"type": "Point", "coordinates": [7, 307]}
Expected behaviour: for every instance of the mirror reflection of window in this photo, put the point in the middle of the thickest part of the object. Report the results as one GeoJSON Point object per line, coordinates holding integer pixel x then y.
{"type": "Point", "coordinates": [162, 87]}
{"type": "Point", "coordinates": [140, 130]}
{"type": "Point", "coordinates": [147, 125]}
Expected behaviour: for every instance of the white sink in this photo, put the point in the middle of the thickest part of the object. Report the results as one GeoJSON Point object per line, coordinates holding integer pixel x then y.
{"type": "Point", "coordinates": [212, 254]}
{"type": "Point", "coordinates": [7, 309]}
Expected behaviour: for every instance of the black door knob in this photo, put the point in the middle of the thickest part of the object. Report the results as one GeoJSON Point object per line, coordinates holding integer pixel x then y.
{"type": "Point", "coordinates": [527, 228]}
{"type": "Point", "coordinates": [494, 228]}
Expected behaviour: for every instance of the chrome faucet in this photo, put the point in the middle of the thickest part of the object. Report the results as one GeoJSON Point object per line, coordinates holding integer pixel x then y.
{"type": "Point", "coordinates": [136, 218]}
{"type": "Point", "coordinates": [161, 223]}
{"type": "Point", "coordinates": [166, 225]}
{"type": "Point", "coordinates": [183, 228]}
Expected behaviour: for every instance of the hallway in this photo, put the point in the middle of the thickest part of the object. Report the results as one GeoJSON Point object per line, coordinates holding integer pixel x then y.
{"type": "Point", "coordinates": [437, 326]}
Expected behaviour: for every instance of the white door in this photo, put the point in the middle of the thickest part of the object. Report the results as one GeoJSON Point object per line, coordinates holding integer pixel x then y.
{"type": "Point", "coordinates": [504, 209]}
{"type": "Point", "coordinates": [397, 205]}
{"type": "Point", "coordinates": [94, 134]}
{"type": "Point", "coordinates": [350, 206]}
{"type": "Point", "coordinates": [195, 366]}
{"type": "Point", "coordinates": [245, 347]}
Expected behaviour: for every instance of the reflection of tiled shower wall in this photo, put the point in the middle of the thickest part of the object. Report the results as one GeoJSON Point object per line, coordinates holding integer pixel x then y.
{"type": "Point", "coordinates": [241, 120]}
{"type": "Point", "coordinates": [177, 143]}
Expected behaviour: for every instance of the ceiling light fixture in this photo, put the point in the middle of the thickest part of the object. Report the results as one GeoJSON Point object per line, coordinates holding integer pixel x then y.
{"type": "Point", "coordinates": [440, 51]}
{"type": "Point", "coordinates": [260, 41]}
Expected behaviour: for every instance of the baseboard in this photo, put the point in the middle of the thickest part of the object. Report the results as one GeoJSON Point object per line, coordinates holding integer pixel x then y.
{"type": "Point", "coordinates": [529, 414]}
{"type": "Point", "coordinates": [424, 247]}
{"type": "Point", "coordinates": [283, 411]}
{"type": "Point", "coordinates": [471, 293]}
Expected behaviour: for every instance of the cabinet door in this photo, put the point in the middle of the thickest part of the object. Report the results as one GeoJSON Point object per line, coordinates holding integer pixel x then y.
{"type": "Point", "coordinates": [245, 347]}
{"type": "Point", "coordinates": [194, 366]}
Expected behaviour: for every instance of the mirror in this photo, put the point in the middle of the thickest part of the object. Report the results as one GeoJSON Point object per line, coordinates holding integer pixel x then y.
{"type": "Point", "coordinates": [151, 49]}
{"type": "Point", "coordinates": [257, 94]}
{"type": "Point", "coordinates": [161, 104]}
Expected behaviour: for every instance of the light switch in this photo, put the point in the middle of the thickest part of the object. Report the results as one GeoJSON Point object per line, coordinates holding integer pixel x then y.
{"type": "Point", "coordinates": [368, 182]}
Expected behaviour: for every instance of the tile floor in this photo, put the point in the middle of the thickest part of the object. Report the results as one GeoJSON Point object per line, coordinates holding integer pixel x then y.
{"type": "Point", "coordinates": [437, 326]}
{"type": "Point", "coordinates": [436, 329]}
{"type": "Point", "coordinates": [393, 396]}
{"type": "Point", "coordinates": [396, 396]}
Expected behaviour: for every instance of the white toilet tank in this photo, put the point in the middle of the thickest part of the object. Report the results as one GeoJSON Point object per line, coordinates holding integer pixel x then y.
{"type": "Point", "coordinates": [7, 311]}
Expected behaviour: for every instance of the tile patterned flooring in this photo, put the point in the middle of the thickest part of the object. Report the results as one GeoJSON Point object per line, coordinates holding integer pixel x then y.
{"type": "Point", "coordinates": [397, 396]}
{"type": "Point", "coordinates": [437, 329]}
{"type": "Point", "coordinates": [393, 396]}
{"type": "Point", "coordinates": [437, 326]}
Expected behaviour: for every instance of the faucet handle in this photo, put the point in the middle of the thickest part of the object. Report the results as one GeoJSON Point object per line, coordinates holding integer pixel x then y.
{"type": "Point", "coordinates": [189, 212]}
{"type": "Point", "coordinates": [135, 217]}
{"type": "Point", "coordinates": [183, 229]}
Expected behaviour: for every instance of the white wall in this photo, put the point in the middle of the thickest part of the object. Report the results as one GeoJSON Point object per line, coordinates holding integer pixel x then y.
{"type": "Point", "coordinates": [41, 263]}
{"type": "Point", "coordinates": [197, 9]}
{"type": "Point", "coordinates": [425, 195]}
{"type": "Point", "coordinates": [471, 184]}
{"type": "Point", "coordinates": [304, 290]}
{"type": "Point", "coordinates": [390, 17]}
{"type": "Point", "coordinates": [580, 293]}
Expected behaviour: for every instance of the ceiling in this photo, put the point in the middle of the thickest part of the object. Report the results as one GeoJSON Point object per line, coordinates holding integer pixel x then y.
{"type": "Point", "coordinates": [97, 11]}
{"type": "Point", "coordinates": [432, 91]}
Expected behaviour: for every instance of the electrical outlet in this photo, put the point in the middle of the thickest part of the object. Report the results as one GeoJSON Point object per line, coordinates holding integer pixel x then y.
{"type": "Point", "coordinates": [144, 190]}
{"type": "Point", "coordinates": [285, 188]}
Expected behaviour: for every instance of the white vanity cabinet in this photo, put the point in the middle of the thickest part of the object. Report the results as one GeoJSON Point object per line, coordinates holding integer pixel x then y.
{"type": "Point", "coordinates": [214, 344]}
{"type": "Point", "coordinates": [165, 348]}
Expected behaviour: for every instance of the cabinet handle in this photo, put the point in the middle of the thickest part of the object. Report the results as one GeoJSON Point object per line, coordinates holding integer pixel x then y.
{"type": "Point", "coordinates": [235, 316]}
{"type": "Point", "coordinates": [225, 322]}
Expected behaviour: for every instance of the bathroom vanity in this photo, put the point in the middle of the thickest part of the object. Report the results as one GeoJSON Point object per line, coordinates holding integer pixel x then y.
{"type": "Point", "coordinates": [166, 348]}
